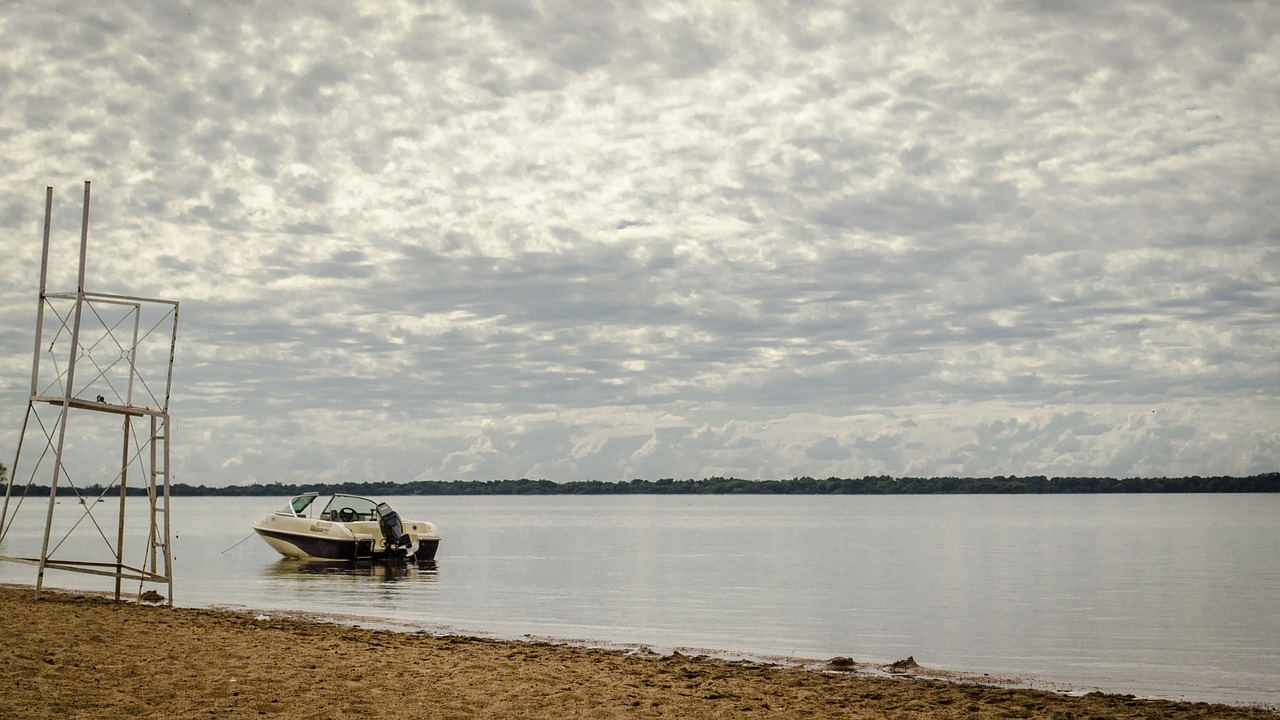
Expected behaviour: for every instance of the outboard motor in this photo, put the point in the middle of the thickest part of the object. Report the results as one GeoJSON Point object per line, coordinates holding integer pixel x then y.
{"type": "Point", "coordinates": [393, 529]}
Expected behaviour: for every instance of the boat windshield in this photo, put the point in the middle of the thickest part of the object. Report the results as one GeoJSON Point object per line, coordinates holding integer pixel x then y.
{"type": "Point", "coordinates": [299, 505]}
{"type": "Point", "coordinates": [349, 508]}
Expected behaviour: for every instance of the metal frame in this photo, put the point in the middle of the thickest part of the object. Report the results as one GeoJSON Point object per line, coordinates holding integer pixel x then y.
{"type": "Point", "coordinates": [133, 357]}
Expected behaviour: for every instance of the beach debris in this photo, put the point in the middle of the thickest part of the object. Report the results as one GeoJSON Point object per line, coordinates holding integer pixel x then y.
{"type": "Point", "coordinates": [151, 597]}
{"type": "Point", "coordinates": [902, 666]}
{"type": "Point", "coordinates": [262, 617]}
{"type": "Point", "coordinates": [841, 663]}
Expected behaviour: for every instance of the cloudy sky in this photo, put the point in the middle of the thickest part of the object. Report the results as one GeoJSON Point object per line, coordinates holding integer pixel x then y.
{"type": "Point", "coordinates": [566, 240]}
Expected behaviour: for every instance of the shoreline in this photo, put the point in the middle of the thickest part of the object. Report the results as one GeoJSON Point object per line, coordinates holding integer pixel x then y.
{"type": "Point", "coordinates": [904, 668]}
{"type": "Point", "coordinates": [75, 655]}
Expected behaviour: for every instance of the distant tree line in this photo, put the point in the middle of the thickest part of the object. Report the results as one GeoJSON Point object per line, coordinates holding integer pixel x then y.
{"type": "Point", "coordinates": [869, 485]}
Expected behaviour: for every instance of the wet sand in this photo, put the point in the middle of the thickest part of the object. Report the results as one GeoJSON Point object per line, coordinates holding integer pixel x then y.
{"type": "Point", "coordinates": [80, 656]}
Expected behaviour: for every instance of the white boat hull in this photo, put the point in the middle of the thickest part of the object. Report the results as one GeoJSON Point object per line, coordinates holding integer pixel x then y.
{"type": "Point", "coordinates": [296, 536]}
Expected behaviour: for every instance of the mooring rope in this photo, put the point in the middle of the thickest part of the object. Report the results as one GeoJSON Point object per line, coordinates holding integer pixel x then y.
{"type": "Point", "coordinates": [233, 547]}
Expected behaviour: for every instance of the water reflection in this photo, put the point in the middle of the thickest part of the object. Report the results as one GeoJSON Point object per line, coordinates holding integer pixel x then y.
{"type": "Point", "coordinates": [388, 572]}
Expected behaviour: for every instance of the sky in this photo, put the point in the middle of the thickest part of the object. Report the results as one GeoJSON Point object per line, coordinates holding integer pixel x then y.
{"type": "Point", "coordinates": [604, 241]}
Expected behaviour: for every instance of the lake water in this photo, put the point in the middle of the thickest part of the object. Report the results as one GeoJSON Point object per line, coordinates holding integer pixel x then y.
{"type": "Point", "coordinates": [1172, 596]}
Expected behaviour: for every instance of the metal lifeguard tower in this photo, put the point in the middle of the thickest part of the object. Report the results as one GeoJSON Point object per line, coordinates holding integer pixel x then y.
{"type": "Point", "coordinates": [98, 359]}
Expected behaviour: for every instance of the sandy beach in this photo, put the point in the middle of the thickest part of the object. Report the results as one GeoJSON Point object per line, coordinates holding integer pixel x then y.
{"type": "Point", "coordinates": [82, 656]}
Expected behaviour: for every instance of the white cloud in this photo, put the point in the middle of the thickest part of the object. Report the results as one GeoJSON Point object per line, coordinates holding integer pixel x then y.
{"type": "Point", "coordinates": [539, 239]}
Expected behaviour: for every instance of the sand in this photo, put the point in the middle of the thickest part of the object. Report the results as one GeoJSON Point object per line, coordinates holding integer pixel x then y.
{"type": "Point", "coordinates": [79, 656]}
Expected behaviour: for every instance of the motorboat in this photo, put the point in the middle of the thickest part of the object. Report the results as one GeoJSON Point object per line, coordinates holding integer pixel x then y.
{"type": "Point", "coordinates": [348, 527]}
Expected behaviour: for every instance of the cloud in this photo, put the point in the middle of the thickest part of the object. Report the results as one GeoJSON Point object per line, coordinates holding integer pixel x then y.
{"type": "Point", "coordinates": [828, 449]}
{"type": "Point", "coordinates": [535, 239]}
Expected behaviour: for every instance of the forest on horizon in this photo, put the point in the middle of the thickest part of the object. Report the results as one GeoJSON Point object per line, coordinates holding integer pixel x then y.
{"type": "Point", "coordinates": [868, 485]}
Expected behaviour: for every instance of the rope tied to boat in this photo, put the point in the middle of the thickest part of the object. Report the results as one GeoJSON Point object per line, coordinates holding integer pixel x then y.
{"type": "Point", "coordinates": [233, 547]}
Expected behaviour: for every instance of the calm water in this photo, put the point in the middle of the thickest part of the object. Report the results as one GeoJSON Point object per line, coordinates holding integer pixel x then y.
{"type": "Point", "coordinates": [1169, 596]}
